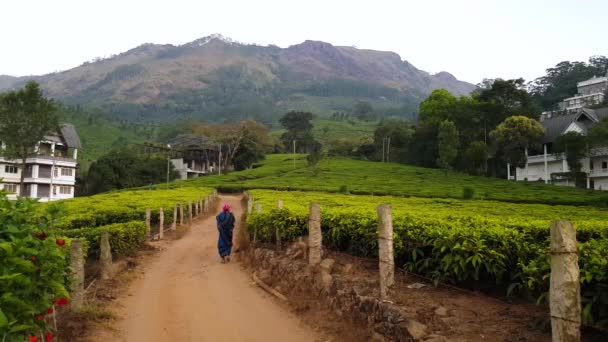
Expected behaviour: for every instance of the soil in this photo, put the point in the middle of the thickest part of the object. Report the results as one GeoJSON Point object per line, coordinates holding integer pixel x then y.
{"type": "Point", "coordinates": [185, 294]}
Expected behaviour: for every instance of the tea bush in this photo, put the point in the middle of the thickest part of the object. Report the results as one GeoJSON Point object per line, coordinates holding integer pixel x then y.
{"type": "Point", "coordinates": [461, 242]}
{"type": "Point", "coordinates": [122, 206]}
{"type": "Point", "coordinates": [125, 238]}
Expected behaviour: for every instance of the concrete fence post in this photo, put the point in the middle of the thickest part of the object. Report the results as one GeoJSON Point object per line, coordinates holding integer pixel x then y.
{"type": "Point", "coordinates": [249, 205]}
{"type": "Point", "coordinates": [315, 238]}
{"type": "Point", "coordinates": [564, 291]}
{"type": "Point", "coordinates": [174, 223]}
{"type": "Point", "coordinates": [161, 229]}
{"type": "Point", "coordinates": [148, 219]}
{"type": "Point", "coordinates": [277, 230]}
{"type": "Point", "coordinates": [206, 204]}
{"type": "Point", "coordinates": [385, 249]}
{"type": "Point", "coordinates": [196, 213]}
{"type": "Point", "coordinates": [77, 266]}
{"type": "Point", "coordinates": [105, 255]}
{"type": "Point", "coordinates": [181, 214]}
{"type": "Point", "coordinates": [190, 212]}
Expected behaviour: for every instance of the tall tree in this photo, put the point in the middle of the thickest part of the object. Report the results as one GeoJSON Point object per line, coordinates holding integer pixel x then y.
{"type": "Point", "coordinates": [26, 117]}
{"type": "Point", "coordinates": [439, 106]}
{"type": "Point", "coordinates": [395, 137]}
{"type": "Point", "coordinates": [477, 155]}
{"type": "Point", "coordinates": [448, 145]}
{"type": "Point", "coordinates": [243, 143]}
{"type": "Point", "coordinates": [574, 146]}
{"type": "Point", "coordinates": [516, 134]}
{"type": "Point", "coordinates": [299, 128]}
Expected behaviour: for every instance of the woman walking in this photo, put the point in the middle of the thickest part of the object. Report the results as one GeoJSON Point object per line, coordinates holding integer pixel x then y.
{"type": "Point", "coordinates": [225, 226]}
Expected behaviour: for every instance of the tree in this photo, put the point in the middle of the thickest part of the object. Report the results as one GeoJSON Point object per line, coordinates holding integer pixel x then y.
{"type": "Point", "coordinates": [439, 106]}
{"type": "Point", "coordinates": [514, 135]}
{"type": "Point", "coordinates": [574, 147]}
{"type": "Point", "coordinates": [299, 128]}
{"type": "Point", "coordinates": [477, 155]}
{"type": "Point", "coordinates": [26, 117]}
{"type": "Point", "coordinates": [598, 134]}
{"type": "Point", "coordinates": [448, 145]}
{"type": "Point", "coordinates": [364, 111]}
{"type": "Point", "coordinates": [400, 134]}
{"type": "Point", "coordinates": [243, 143]}
{"type": "Point", "coordinates": [507, 98]}
{"type": "Point", "coordinates": [125, 169]}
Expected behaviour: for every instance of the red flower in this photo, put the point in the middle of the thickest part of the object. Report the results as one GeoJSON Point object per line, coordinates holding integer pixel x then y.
{"type": "Point", "coordinates": [49, 311]}
{"type": "Point", "coordinates": [40, 317]}
{"type": "Point", "coordinates": [33, 338]}
{"type": "Point", "coordinates": [34, 258]}
{"type": "Point", "coordinates": [48, 337]}
{"type": "Point", "coordinates": [60, 242]}
{"type": "Point", "coordinates": [61, 301]}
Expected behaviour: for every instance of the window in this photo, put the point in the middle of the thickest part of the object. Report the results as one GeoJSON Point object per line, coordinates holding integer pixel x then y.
{"type": "Point", "coordinates": [604, 165]}
{"type": "Point", "coordinates": [10, 169]}
{"type": "Point", "coordinates": [10, 188]}
{"type": "Point", "coordinates": [65, 190]}
{"type": "Point", "coordinates": [56, 172]}
{"type": "Point", "coordinates": [66, 172]}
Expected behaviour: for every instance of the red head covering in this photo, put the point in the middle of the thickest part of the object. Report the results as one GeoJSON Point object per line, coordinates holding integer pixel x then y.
{"type": "Point", "coordinates": [226, 207]}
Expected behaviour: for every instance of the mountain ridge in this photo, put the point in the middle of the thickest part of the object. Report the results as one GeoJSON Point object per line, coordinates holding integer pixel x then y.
{"type": "Point", "coordinates": [194, 79]}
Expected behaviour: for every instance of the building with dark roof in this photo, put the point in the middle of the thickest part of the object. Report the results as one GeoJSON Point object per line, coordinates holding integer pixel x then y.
{"type": "Point", "coordinates": [194, 155]}
{"type": "Point", "coordinates": [50, 172]}
{"type": "Point", "coordinates": [547, 165]}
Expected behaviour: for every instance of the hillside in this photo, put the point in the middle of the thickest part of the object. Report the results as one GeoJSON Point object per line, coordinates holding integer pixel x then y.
{"type": "Point", "coordinates": [363, 177]}
{"type": "Point", "coordinates": [216, 77]}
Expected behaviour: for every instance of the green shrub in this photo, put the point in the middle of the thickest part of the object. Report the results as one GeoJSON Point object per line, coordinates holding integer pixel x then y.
{"type": "Point", "coordinates": [448, 241]}
{"type": "Point", "coordinates": [468, 193]}
{"type": "Point", "coordinates": [125, 238]}
{"type": "Point", "coordinates": [33, 270]}
{"type": "Point", "coordinates": [343, 189]}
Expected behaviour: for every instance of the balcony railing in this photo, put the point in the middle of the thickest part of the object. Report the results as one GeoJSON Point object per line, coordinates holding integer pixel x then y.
{"type": "Point", "coordinates": [599, 173]}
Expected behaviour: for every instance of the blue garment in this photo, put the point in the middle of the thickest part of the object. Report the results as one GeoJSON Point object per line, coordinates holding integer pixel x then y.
{"type": "Point", "coordinates": [225, 226]}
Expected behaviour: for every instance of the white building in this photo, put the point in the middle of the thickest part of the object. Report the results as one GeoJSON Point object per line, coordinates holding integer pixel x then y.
{"type": "Point", "coordinates": [590, 92]}
{"type": "Point", "coordinates": [546, 165]}
{"type": "Point", "coordinates": [50, 172]}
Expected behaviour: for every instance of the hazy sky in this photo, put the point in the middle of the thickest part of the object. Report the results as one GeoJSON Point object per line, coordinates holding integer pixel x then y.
{"type": "Point", "coordinates": [471, 39]}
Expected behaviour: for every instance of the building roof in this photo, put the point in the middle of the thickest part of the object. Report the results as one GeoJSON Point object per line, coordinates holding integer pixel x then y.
{"type": "Point", "coordinates": [191, 141]}
{"type": "Point", "coordinates": [70, 136]}
{"type": "Point", "coordinates": [557, 125]}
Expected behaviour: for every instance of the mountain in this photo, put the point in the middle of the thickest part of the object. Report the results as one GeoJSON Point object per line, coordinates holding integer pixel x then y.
{"type": "Point", "coordinates": [6, 82]}
{"type": "Point", "coordinates": [218, 78]}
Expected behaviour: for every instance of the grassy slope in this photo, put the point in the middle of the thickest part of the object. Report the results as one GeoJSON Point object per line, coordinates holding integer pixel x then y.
{"type": "Point", "coordinates": [100, 137]}
{"type": "Point", "coordinates": [354, 130]}
{"type": "Point", "coordinates": [362, 177]}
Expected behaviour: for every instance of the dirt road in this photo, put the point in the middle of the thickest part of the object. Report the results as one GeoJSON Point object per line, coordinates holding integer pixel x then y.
{"type": "Point", "coordinates": [186, 294]}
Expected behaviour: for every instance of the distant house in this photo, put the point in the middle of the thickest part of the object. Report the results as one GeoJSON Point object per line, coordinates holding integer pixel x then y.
{"type": "Point", "coordinates": [589, 93]}
{"type": "Point", "coordinates": [546, 166]}
{"type": "Point", "coordinates": [50, 172]}
{"type": "Point", "coordinates": [195, 156]}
